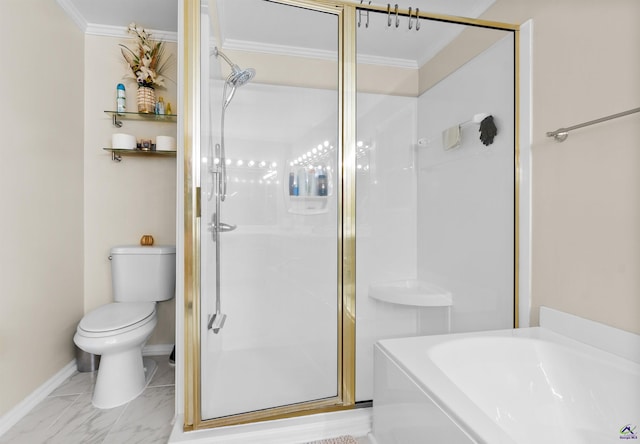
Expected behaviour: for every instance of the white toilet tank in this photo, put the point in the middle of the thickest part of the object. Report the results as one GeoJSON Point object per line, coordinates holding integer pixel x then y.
{"type": "Point", "coordinates": [143, 273]}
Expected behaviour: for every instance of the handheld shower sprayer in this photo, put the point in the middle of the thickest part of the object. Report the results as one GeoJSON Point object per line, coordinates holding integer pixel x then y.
{"type": "Point", "coordinates": [236, 78]}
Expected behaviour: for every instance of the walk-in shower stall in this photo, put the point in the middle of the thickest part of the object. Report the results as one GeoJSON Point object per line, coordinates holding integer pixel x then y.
{"type": "Point", "coordinates": [353, 177]}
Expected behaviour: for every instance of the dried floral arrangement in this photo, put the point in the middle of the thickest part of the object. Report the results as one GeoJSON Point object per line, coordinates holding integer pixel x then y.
{"type": "Point", "coordinates": [148, 61]}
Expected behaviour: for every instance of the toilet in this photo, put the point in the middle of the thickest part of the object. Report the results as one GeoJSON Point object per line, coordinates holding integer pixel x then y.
{"type": "Point", "coordinates": [141, 276]}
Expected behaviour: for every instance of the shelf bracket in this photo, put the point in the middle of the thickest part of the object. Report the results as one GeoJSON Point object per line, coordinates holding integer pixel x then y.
{"type": "Point", "coordinates": [117, 123]}
{"type": "Point", "coordinates": [116, 157]}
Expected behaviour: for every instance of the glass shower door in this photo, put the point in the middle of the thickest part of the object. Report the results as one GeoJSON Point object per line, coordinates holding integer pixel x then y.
{"type": "Point", "coordinates": [436, 200]}
{"type": "Point", "coordinates": [269, 209]}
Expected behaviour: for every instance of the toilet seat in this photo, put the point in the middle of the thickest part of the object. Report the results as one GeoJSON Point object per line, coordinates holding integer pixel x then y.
{"type": "Point", "coordinates": [116, 318]}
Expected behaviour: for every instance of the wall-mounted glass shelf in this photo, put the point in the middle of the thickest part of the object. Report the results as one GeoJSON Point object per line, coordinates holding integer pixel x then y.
{"type": "Point", "coordinates": [117, 153]}
{"type": "Point", "coordinates": [146, 117]}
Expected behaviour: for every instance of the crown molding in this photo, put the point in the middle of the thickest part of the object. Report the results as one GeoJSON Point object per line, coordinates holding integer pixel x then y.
{"type": "Point", "coordinates": [69, 8]}
{"type": "Point", "coordinates": [231, 44]}
{"type": "Point", "coordinates": [108, 30]}
{"type": "Point", "coordinates": [387, 61]}
{"type": "Point", "coordinates": [321, 54]}
{"type": "Point", "coordinates": [122, 32]}
{"type": "Point", "coordinates": [285, 50]}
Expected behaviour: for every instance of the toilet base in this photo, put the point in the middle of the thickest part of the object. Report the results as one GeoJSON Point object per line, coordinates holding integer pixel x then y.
{"type": "Point", "coordinates": [122, 377]}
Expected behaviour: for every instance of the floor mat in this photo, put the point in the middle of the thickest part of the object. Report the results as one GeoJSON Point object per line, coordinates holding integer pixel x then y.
{"type": "Point", "coordinates": [347, 439]}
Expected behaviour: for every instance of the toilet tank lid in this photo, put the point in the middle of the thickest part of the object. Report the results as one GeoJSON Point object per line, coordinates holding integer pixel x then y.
{"type": "Point", "coordinates": [138, 249]}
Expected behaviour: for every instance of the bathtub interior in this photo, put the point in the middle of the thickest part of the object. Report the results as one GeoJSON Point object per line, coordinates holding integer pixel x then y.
{"type": "Point", "coordinates": [513, 386]}
{"type": "Point", "coordinates": [563, 393]}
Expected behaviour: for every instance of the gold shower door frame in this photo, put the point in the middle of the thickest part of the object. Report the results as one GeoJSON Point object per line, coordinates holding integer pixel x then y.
{"type": "Point", "coordinates": [345, 12]}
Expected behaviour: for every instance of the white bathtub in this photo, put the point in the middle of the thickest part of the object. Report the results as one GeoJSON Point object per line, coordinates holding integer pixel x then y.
{"type": "Point", "coordinates": [513, 386]}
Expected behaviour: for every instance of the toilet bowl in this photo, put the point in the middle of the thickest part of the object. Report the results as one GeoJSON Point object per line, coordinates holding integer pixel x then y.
{"type": "Point", "coordinates": [117, 331]}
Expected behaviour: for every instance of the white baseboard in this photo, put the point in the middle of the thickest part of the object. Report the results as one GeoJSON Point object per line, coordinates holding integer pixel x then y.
{"type": "Point", "coordinates": [157, 350]}
{"type": "Point", "coordinates": [14, 415]}
{"type": "Point", "coordinates": [356, 422]}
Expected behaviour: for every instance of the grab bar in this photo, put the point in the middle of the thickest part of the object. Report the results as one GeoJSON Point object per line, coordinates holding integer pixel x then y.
{"type": "Point", "coordinates": [561, 134]}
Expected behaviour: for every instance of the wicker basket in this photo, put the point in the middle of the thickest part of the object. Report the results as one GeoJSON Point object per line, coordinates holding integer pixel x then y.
{"type": "Point", "coordinates": [146, 99]}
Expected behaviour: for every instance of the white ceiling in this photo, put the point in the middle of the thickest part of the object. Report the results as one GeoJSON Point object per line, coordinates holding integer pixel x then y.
{"type": "Point", "coordinates": [271, 27]}
{"type": "Point", "coordinates": [264, 26]}
{"type": "Point", "coordinates": [91, 15]}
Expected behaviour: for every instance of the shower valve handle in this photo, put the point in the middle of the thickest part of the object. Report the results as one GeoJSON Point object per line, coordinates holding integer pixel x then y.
{"type": "Point", "coordinates": [225, 227]}
{"type": "Point", "coordinates": [218, 227]}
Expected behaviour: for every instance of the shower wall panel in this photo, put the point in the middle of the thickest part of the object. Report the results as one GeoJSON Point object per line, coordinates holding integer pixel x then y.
{"type": "Point", "coordinates": [466, 194]}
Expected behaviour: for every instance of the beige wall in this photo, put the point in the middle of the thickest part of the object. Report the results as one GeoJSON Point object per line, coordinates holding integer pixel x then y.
{"type": "Point", "coordinates": [65, 202]}
{"type": "Point", "coordinates": [41, 122]}
{"type": "Point", "coordinates": [123, 201]}
{"type": "Point", "coordinates": [316, 73]}
{"type": "Point", "coordinates": [469, 44]}
{"type": "Point", "coordinates": [586, 191]}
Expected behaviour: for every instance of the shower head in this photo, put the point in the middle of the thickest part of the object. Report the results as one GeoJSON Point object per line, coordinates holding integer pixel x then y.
{"type": "Point", "coordinates": [238, 76]}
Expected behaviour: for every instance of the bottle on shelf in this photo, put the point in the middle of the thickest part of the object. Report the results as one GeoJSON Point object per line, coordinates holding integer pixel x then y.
{"type": "Point", "coordinates": [309, 181]}
{"type": "Point", "coordinates": [322, 187]}
{"type": "Point", "coordinates": [121, 99]}
{"type": "Point", "coordinates": [312, 184]}
{"type": "Point", "coordinates": [293, 184]}
{"type": "Point", "coordinates": [160, 106]}
{"type": "Point", "coordinates": [302, 181]}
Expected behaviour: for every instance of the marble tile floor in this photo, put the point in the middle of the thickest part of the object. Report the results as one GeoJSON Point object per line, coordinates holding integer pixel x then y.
{"type": "Point", "coordinates": [67, 416]}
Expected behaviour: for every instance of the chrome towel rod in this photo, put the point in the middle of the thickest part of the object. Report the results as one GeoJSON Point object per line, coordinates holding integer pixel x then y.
{"type": "Point", "coordinates": [561, 134]}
